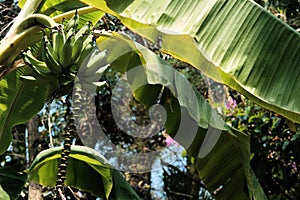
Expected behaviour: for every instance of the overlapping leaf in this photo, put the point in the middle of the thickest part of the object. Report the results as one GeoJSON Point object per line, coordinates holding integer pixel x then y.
{"type": "Point", "coordinates": [235, 42]}
{"type": "Point", "coordinates": [87, 170]}
{"type": "Point", "coordinates": [223, 153]}
{"type": "Point", "coordinates": [18, 103]}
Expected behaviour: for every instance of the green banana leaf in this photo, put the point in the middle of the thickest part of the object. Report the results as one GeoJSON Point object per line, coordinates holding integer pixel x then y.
{"type": "Point", "coordinates": [59, 9]}
{"type": "Point", "coordinates": [87, 170]}
{"type": "Point", "coordinates": [12, 182]}
{"type": "Point", "coordinates": [235, 42]}
{"type": "Point", "coordinates": [3, 194]}
{"type": "Point", "coordinates": [19, 102]}
{"type": "Point", "coordinates": [223, 153]}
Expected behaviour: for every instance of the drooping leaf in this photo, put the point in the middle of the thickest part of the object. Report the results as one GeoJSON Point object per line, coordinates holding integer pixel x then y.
{"type": "Point", "coordinates": [3, 194]}
{"type": "Point", "coordinates": [223, 152]}
{"type": "Point", "coordinates": [235, 42]}
{"type": "Point", "coordinates": [12, 182]}
{"type": "Point", "coordinates": [87, 170]}
{"type": "Point", "coordinates": [18, 103]}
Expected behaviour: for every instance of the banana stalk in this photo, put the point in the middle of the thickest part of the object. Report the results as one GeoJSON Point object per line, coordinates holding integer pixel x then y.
{"type": "Point", "coordinates": [26, 33]}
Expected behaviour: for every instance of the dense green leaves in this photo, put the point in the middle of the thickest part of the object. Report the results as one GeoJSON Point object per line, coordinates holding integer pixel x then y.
{"type": "Point", "coordinates": [12, 182]}
{"type": "Point", "coordinates": [223, 153]}
{"type": "Point", "coordinates": [18, 103]}
{"type": "Point", "coordinates": [87, 170]}
{"type": "Point", "coordinates": [235, 42]}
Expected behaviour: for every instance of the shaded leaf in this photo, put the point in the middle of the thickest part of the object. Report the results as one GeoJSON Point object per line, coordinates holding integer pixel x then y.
{"type": "Point", "coordinates": [87, 170]}
{"type": "Point", "coordinates": [223, 153]}
{"type": "Point", "coordinates": [12, 182]}
{"type": "Point", "coordinates": [18, 103]}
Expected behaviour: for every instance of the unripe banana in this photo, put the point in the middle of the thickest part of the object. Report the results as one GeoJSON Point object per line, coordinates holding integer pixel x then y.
{"type": "Point", "coordinates": [31, 60]}
{"type": "Point", "coordinates": [73, 22]}
{"type": "Point", "coordinates": [65, 57]}
{"type": "Point", "coordinates": [50, 61]}
{"type": "Point", "coordinates": [28, 77]}
{"type": "Point", "coordinates": [77, 48]}
{"type": "Point", "coordinates": [85, 30]}
{"type": "Point", "coordinates": [85, 54]}
{"type": "Point", "coordinates": [47, 43]}
{"type": "Point", "coordinates": [38, 66]}
{"type": "Point", "coordinates": [95, 61]}
{"type": "Point", "coordinates": [70, 32]}
{"type": "Point", "coordinates": [58, 40]}
{"type": "Point", "coordinates": [98, 59]}
{"type": "Point", "coordinates": [34, 81]}
{"type": "Point", "coordinates": [88, 39]}
{"type": "Point", "coordinates": [30, 80]}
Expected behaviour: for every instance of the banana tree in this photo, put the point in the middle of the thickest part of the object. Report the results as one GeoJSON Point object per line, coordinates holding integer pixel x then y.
{"type": "Point", "coordinates": [235, 42]}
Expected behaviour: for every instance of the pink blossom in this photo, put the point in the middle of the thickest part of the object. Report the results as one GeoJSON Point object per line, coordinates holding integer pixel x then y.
{"type": "Point", "coordinates": [231, 103]}
{"type": "Point", "coordinates": [170, 141]}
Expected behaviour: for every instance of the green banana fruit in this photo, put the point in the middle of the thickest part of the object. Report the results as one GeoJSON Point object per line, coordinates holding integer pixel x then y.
{"type": "Point", "coordinates": [65, 56]}
{"type": "Point", "coordinates": [88, 39]}
{"type": "Point", "coordinates": [31, 60]}
{"type": "Point", "coordinates": [98, 59]}
{"type": "Point", "coordinates": [34, 81]}
{"type": "Point", "coordinates": [84, 30]}
{"type": "Point", "coordinates": [58, 40]}
{"type": "Point", "coordinates": [70, 32]}
{"type": "Point", "coordinates": [38, 66]}
{"type": "Point", "coordinates": [47, 43]}
{"type": "Point", "coordinates": [85, 54]}
{"type": "Point", "coordinates": [77, 48]}
{"type": "Point", "coordinates": [73, 22]}
{"type": "Point", "coordinates": [30, 80]}
{"type": "Point", "coordinates": [50, 61]}
{"type": "Point", "coordinates": [94, 62]}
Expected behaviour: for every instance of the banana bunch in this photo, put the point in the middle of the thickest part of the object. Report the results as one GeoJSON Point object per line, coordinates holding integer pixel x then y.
{"type": "Point", "coordinates": [63, 52]}
{"type": "Point", "coordinates": [66, 45]}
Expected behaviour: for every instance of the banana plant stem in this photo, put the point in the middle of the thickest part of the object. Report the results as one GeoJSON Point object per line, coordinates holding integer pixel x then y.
{"type": "Point", "coordinates": [29, 7]}
{"type": "Point", "coordinates": [10, 48]}
{"type": "Point", "coordinates": [10, 45]}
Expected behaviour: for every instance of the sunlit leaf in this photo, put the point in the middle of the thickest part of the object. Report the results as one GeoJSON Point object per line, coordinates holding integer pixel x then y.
{"type": "Point", "coordinates": [3, 194]}
{"type": "Point", "coordinates": [54, 8]}
{"type": "Point", "coordinates": [235, 42]}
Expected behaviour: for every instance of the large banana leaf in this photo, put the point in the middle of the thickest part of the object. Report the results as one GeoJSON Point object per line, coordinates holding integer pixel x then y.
{"type": "Point", "coordinates": [223, 153]}
{"type": "Point", "coordinates": [18, 103]}
{"type": "Point", "coordinates": [235, 42]}
{"type": "Point", "coordinates": [87, 170]}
